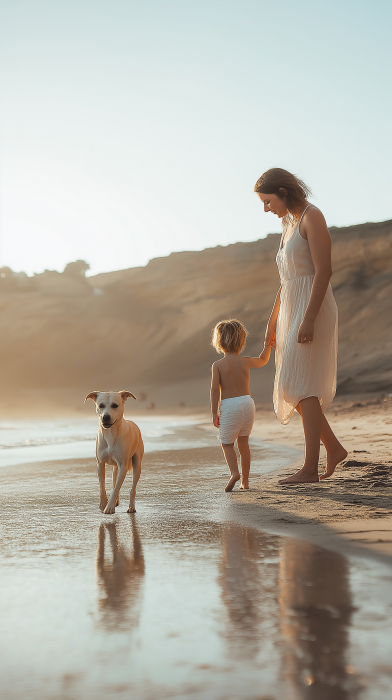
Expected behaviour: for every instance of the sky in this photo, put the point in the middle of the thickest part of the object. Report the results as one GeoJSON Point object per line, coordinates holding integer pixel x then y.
{"type": "Point", "coordinates": [129, 130]}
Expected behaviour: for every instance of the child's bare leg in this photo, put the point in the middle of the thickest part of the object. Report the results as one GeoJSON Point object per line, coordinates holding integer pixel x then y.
{"type": "Point", "coordinates": [312, 420]}
{"type": "Point", "coordinates": [231, 459]}
{"type": "Point", "coordinates": [335, 450]}
{"type": "Point", "coordinates": [243, 446]}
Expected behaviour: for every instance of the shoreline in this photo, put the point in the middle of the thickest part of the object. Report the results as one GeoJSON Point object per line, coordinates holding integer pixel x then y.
{"type": "Point", "coordinates": [350, 512]}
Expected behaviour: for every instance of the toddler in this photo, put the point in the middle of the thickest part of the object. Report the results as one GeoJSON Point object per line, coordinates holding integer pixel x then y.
{"type": "Point", "coordinates": [232, 407]}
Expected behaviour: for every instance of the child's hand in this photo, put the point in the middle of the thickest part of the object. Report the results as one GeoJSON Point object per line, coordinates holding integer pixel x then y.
{"type": "Point", "coordinates": [215, 420]}
{"type": "Point", "coordinates": [271, 342]}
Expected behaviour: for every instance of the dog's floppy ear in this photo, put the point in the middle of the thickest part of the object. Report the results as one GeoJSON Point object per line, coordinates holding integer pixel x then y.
{"type": "Point", "coordinates": [92, 395]}
{"type": "Point", "coordinates": [125, 394]}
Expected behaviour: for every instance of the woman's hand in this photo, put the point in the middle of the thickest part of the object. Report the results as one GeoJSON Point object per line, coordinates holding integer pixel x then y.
{"type": "Point", "coordinates": [270, 335]}
{"type": "Point", "coordinates": [215, 420]}
{"type": "Point", "coordinates": [305, 331]}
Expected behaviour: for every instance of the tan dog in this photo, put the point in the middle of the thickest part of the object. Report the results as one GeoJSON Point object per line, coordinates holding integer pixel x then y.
{"type": "Point", "coordinates": [119, 443]}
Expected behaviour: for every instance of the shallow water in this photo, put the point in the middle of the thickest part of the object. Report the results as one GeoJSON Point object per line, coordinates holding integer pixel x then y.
{"type": "Point", "coordinates": [178, 601]}
{"type": "Point", "coordinates": [26, 442]}
{"type": "Point", "coordinates": [47, 440]}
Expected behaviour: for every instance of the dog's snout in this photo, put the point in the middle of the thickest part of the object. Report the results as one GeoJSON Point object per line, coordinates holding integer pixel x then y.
{"type": "Point", "coordinates": [106, 417]}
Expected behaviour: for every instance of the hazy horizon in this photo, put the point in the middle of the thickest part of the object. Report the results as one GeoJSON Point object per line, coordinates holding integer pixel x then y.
{"type": "Point", "coordinates": [130, 131]}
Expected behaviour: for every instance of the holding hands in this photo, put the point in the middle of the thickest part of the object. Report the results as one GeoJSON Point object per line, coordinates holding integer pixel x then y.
{"type": "Point", "coordinates": [270, 335]}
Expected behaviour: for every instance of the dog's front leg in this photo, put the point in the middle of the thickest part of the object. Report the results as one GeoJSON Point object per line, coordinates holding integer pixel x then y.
{"type": "Point", "coordinates": [111, 506]}
{"type": "Point", "coordinates": [103, 499]}
{"type": "Point", "coordinates": [114, 478]}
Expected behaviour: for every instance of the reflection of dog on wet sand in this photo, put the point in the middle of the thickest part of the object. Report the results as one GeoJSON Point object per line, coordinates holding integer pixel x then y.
{"type": "Point", "coordinates": [120, 576]}
{"type": "Point", "coordinates": [119, 444]}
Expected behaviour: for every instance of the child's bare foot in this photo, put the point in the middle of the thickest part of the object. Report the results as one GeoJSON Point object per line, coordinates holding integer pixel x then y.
{"type": "Point", "coordinates": [333, 459]}
{"type": "Point", "coordinates": [303, 476]}
{"type": "Point", "coordinates": [244, 486]}
{"type": "Point", "coordinates": [231, 483]}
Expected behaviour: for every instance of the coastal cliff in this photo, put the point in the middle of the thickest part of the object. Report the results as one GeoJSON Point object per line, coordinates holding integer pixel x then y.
{"type": "Point", "coordinates": [148, 329]}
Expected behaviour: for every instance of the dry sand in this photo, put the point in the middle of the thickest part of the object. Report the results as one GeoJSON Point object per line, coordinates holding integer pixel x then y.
{"type": "Point", "coordinates": [356, 503]}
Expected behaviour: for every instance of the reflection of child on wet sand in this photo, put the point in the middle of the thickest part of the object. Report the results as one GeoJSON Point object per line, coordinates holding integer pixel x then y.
{"type": "Point", "coordinates": [232, 407]}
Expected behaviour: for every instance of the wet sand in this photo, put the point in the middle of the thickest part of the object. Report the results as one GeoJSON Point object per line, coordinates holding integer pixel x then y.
{"type": "Point", "coordinates": [201, 594]}
{"type": "Point", "coordinates": [356, 503]}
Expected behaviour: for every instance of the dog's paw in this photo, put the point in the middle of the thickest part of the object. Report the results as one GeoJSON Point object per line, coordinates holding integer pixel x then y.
{"type": "Point", "coordinates": [103, 503]}
{"type": "Point", "coordinates": [131, 510]}
{"type": "Point", "coordinates": [109, 510]}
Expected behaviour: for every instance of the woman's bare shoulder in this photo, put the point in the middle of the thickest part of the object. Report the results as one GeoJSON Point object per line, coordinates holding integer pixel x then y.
{"type": "Point", "coordinates": [313, 222]}
{"type": "Point", "coordinates": [314, 215]}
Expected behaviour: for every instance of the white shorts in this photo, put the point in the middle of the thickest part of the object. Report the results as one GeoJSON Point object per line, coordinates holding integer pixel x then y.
{"type": "Point", "coordinates": [236, 418]}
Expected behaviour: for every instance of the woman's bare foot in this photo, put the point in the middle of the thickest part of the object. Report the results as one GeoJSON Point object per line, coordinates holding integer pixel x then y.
{"type": "Point", "coordinates": [303, 476]}
{"type": "Point", "coordinates": [333, 459]}
{"type": "Point", "coordinates": [231, 483]}
{"type": "Point", "coordinates": [244, 486]}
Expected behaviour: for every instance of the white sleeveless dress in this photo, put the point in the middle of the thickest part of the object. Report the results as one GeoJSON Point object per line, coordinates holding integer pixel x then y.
{"type": "Point", "coordinates": [302, 369]}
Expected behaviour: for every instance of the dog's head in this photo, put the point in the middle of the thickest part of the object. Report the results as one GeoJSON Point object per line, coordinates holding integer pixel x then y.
{"type": "Point", "coordinates": [109, 405]}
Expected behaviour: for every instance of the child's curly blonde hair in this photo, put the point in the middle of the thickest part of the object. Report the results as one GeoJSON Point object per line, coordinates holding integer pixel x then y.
{"type": "Point", "coordinates": [229, 335]}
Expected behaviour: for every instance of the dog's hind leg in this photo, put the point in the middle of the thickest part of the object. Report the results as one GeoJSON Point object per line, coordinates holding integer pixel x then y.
{"type": "Point", "coordinates": [103, 499]}
{"type": "Point", "coordinates": [115, 472]}
{"type": "Point", "coordinates": [136, 471]}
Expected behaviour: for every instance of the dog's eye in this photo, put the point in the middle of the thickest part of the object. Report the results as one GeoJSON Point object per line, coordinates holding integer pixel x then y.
{"type": "Point", "coordinates": [114, 405]}
{"type": "Point", "coordinates": [101, 405]}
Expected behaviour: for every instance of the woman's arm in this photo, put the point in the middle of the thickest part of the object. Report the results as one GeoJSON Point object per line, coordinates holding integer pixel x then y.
{"type": "Point", "coordinates": [319, 241]}
{"type": "Point", "coordinates": [215, 394]}
{"type": "Point", "coordinates": [270, 333]}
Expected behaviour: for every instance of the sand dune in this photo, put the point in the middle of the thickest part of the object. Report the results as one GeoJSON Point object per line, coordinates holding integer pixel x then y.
{"type": "Point", "coordinates": [148, 328]}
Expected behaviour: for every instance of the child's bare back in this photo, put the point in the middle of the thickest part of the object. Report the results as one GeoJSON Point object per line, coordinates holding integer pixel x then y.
{"type": "Point", "coordinates": [232, 406]}
{"type": "Point", "coordinates": [234, 374]}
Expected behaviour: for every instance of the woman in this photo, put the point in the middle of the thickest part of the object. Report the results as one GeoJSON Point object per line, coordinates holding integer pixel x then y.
{"type": "Point", "coordinates": [303, 322]}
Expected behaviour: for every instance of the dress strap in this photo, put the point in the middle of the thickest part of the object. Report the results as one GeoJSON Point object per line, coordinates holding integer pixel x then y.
{"type": "Point", "coordinates": [309, 205]}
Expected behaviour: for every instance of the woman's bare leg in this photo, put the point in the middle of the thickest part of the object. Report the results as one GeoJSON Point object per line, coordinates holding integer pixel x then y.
{"type": "Point", "coordinates": [312, 421]}
{"type": "Point", "coordinates": [231, 459]}
{"type": "Point", "coordinates": [243, 446]}
{"type": "Point", "coordinates": [335, 450]}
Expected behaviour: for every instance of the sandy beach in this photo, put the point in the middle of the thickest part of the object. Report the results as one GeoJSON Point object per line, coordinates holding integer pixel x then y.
{"type": "Point", "coordinates": [171, 197]}
{"type": "Point", "coordinates": [356, 504]}
{"type": "Point", "coordinates": [279, 592]}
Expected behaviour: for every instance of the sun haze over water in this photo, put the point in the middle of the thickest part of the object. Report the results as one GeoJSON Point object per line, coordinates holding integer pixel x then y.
{"type": "Point", "coordinates": [130, 130]}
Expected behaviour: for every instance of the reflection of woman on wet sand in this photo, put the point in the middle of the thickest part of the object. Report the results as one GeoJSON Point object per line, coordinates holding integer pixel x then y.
{"type": "Point", "coordinates": [316, 611]}
{"type": "Point", "coordinates": [303, 321]}
{"type": "Point", "coordinates": [120, 577]}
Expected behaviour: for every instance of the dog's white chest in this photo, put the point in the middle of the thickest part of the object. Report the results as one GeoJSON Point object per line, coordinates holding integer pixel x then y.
{"type": "Point", "coordinates": [106, 447]}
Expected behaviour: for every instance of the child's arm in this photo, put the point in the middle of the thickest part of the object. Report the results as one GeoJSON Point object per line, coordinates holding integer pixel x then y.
{"type": "Point", "coordinates": [215, 394]}
{"type": "Point", "coordinates": [262, 359]}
